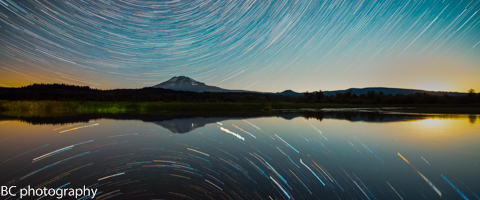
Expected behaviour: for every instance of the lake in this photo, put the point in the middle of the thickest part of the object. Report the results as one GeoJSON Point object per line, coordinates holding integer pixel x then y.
{"type": "Point", "coordinates": [290, 155]}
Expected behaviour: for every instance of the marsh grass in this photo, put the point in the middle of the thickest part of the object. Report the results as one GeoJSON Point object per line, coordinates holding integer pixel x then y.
{"type": "Point", "coordinates": [58, 108]}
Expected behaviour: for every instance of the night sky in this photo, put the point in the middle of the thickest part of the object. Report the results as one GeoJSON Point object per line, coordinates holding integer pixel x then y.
{"type": "Point", "coordinates": [260, 45]}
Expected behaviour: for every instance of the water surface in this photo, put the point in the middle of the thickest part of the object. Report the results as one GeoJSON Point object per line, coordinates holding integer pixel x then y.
{"type": "Point", "coordinates": [284, 156]}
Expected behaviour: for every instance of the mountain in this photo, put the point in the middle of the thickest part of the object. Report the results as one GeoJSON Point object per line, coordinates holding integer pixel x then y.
{"type": "Point", "coordinates": [359, 91]}
{"type": "Point", "coordinates": [393, 91]}
{"type": "Point", "coordinates": [185, 125]}
{"type": "Point", "coordinates": [183, 83]}
{"type": "Point", "coordinates": [289, 93]}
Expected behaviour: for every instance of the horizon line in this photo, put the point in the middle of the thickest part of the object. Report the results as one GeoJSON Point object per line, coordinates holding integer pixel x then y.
{"type": "Point", "coordinates": [237, 89]}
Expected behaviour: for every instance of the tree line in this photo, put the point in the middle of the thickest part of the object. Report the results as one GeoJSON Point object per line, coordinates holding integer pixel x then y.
{"type": "Point", "coordinates": [372, 97]}
{"type": "Point", "coordinates": [62, 92]}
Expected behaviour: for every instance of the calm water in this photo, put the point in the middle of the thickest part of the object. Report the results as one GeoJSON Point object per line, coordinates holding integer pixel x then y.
{"type": "Point", "coordinates": [289, 156]}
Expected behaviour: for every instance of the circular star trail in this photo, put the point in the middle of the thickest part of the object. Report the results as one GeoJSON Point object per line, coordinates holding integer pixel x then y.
{"type": "Point", "coordinates": [251, 44]}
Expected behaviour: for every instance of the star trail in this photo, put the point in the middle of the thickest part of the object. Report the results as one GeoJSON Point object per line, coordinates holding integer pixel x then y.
{"type": "Point", "coordinates": [278, 158]}
{"type": "Point", "coordinates": [260, 45]}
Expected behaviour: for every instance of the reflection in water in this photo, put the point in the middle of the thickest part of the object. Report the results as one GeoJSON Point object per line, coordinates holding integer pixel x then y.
{"type": "Point", "coordinates": [472, 119]}
{"type": "Point", "coordinates": [309, 155]}
{"type": "Point", "coordinates": [434, 122]}
{"type": "Point", "coordinates": [186, 122]}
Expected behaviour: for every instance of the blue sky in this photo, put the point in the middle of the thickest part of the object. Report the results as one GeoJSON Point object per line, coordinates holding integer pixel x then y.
{"type": "Point", "coordinates": [251, 44]}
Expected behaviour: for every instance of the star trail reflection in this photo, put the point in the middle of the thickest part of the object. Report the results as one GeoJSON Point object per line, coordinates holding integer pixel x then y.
{"type": "Point", "coordinates": [127, 159]}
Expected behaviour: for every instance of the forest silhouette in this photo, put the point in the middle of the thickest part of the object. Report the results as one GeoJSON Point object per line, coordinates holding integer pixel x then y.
{"type": "Point", "coordinates": [62, 92]}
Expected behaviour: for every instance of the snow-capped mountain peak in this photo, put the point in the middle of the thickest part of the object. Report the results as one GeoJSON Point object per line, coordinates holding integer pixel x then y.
{"type": "Point", "coordinates": [187, 84]}
{"type": "Point", "coordinates": [180, 81]}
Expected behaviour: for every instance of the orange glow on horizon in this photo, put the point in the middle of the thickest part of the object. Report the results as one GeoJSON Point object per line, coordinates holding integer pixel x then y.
{"type": "Point", "coordinates": [432, 86]}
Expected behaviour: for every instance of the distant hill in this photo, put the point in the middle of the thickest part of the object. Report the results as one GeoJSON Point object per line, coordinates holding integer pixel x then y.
{"type": "Point", "coordinates": [393, 91]}
{"type": "Point", "coordinates": [289, 93]}
{"type": "Point", "coordinates": [359, 91]}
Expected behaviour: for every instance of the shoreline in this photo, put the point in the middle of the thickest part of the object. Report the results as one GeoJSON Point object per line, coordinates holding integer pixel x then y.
{"type": "Point", "coordinates": [59, 108]}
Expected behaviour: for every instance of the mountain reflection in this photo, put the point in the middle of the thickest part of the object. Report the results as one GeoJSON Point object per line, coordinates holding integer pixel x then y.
{"type": "Point", "coordinates": [187, 122]}
{"type": "Point", "coordinates": [281, 155]}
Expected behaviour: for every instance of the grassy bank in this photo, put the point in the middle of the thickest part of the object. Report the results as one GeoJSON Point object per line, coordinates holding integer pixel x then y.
{"type": "Point", "coordinates": [145, 107]}
{"type": "Point", "coordinates": [53, 108]}
{"type": "Point", "coordinates": [58, 108]}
